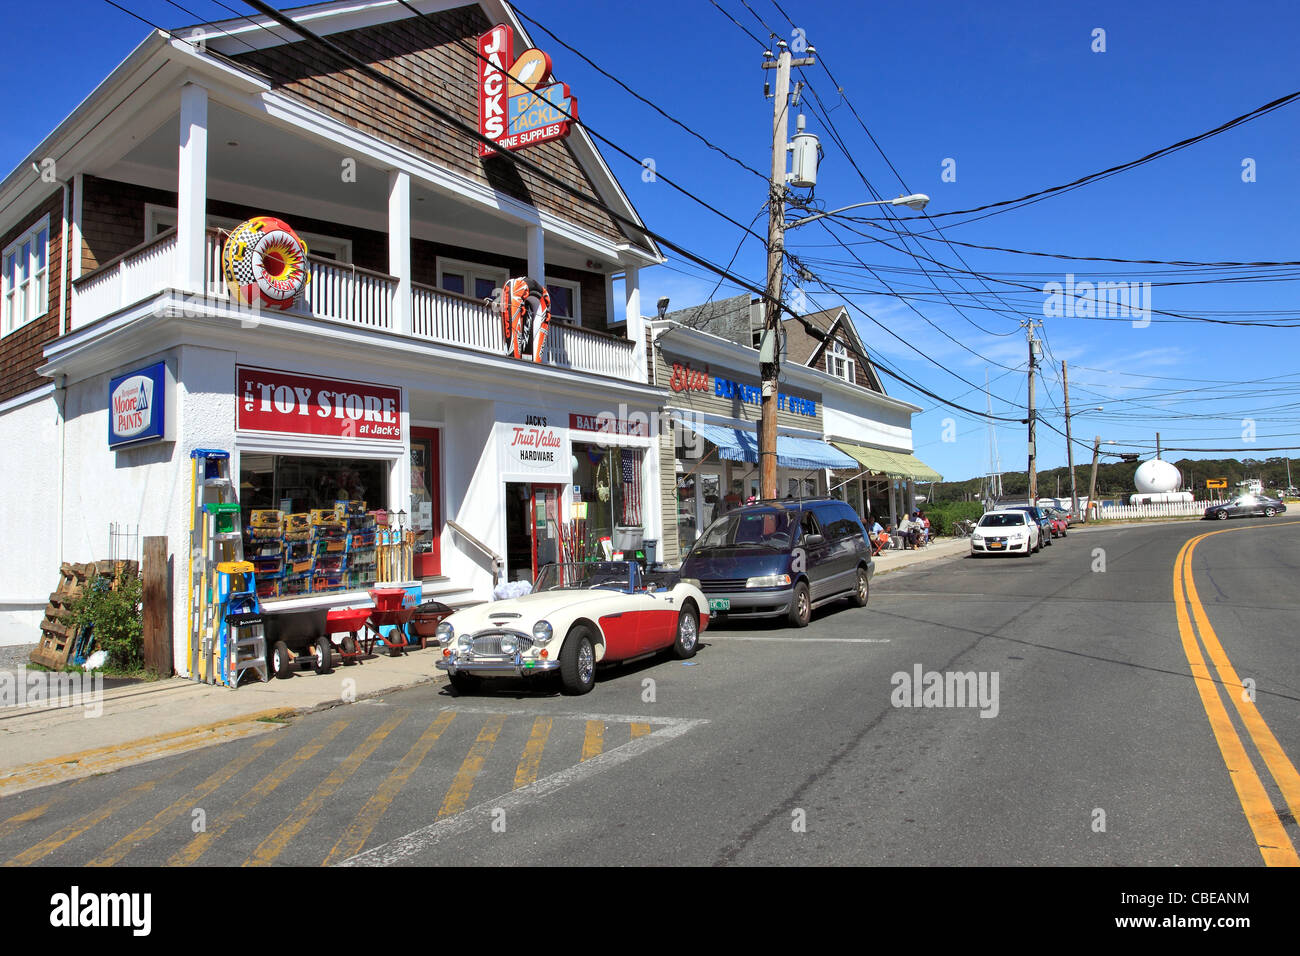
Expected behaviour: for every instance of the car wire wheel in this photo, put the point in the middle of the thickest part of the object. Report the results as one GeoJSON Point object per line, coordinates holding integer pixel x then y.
{"type": "Point", "coordinates": [688, 635]}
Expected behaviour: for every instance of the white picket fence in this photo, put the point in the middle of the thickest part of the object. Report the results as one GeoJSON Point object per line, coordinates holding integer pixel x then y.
{"type": "Point", "coordinates": [1168, 510]}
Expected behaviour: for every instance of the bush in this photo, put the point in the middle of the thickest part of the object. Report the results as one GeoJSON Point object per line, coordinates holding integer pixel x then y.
{"type": "Point", "coordinates": [114, 611]}
{"type": "Point", "coordinates": [944, 516]}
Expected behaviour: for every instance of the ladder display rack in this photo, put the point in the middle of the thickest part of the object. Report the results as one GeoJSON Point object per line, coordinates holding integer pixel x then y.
{"type": "Point", "coordinates": [215, 538]}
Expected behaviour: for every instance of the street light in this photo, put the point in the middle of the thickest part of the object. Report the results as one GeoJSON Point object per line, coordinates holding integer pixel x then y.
{"type": "Point", "coordinates": [915, 201]}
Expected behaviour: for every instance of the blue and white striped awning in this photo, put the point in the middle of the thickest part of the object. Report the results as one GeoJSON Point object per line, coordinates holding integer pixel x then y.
{"type": "Point", "coordinates": [806, 454]}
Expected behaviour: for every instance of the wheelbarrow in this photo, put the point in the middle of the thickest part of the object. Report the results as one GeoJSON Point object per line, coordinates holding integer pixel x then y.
{"type": "Point", "coordinates": [343, 625]}
{"type": "Point", "coordinates": [395, 640]}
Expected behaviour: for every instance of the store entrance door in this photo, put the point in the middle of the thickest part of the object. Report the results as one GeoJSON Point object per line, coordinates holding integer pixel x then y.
{"type": "Point", "coordinates": [533, 528]}
{"type": "Point", "coordinates": [426, 503]}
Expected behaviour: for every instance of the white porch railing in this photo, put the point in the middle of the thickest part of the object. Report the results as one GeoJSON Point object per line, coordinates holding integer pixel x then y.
{"type": "Point", "coordinates": [340, 292]}
{"type": "Point", "coordinates": [1182, 509]}
{"type": "Point", "coordinates": [459, 320]}
{"type": "Point", "coordinates": [136, 275]}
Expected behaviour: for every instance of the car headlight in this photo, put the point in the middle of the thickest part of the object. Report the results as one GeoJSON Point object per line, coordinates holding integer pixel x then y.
{"type": "Point", "coordinates": [445, 633]}
{"type": "Point", "coordinates": [465, 643]}
{"type": "Point", "coordinates": [768, 581]}
{"type": "Point", "coordinates": [543, 632]}
{"type": "Point", "coordinates": [509, 645]}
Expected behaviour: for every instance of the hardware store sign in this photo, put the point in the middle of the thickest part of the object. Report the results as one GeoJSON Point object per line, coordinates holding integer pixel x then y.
{"type": "Point", "coordinates": [285, 403]}
{"type": "Point", "coordinates": [534, 448]}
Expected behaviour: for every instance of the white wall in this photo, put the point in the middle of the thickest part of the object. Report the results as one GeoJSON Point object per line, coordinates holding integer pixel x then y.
{"type": "Point", "coordinates": [472, 494]}
{"type": "Point", "coordinates": [29, 517]}
{"type": "Point", "coordinates": [869, 424]}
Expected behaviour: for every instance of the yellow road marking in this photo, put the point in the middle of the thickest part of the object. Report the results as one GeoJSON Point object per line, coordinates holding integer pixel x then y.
{"type": "Point", "coordinates": [115, 853]}
{"type": "Point", "coordinates": [190, 853]}
{"type": "Point", "coordinates": [354, 838]}
{"type": "Point", "coordinates": [531, 761]}
{"type": "Point", "coordinates": [1283, 771]}
{"type": "Point", "coordinates": [461, 786]}
{"type": "Point", "coordinates": [18, 819]}
{"type": "Point", "coordinates": [73, 830]}
{"type": "Point", "coordinates": [594, 740]}
{"type": "Point", "coordinates": [640, 730]}
{"type": "Point", "coordinates": [86, 762]}
{"type": "Point", "coordinates": [280, 837]}
{"type": "Point", "coordinates": [1270, 836]}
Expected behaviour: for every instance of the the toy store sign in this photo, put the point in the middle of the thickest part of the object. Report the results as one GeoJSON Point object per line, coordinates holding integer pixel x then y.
{"type": "Point", "coordinates": [137, 406]}
{"type": "Point", "coordinates": [519, 102]}
{"type": "Point", "coordinates": [270, 400]}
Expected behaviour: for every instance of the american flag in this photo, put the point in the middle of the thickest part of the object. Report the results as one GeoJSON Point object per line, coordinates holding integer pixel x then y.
{"type": "Point", "coordinates": [631, 461]}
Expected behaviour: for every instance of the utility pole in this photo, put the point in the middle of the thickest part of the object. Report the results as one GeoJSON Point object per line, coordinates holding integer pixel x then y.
{"type": "Point", "coordinates": [1033, 451]}
{"type": "Point", "coordinates": [1069, 442]}
{"type": "Point", "coordinates": [769, 350]}
{"type": "Point", "coordinates": [1157, 444]}
{"type": "Point", "coordinates": [1092, 485]}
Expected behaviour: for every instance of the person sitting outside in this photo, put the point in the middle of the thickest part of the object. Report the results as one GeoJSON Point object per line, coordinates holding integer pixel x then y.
{"type": "Point", "coordinates": [921, 525]}
{"type": "Point", "coordinates": [879, 540]}
{"type": "Point", "coordinates": [907, 532]}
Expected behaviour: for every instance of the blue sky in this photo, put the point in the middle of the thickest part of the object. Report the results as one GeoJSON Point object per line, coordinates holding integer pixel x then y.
{"type": "Point", "coordinates": [1015, 95]}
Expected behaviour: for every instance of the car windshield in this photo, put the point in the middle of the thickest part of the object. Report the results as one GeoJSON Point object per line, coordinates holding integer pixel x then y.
{"type": "Point", "coordinates": [606, 575]}
{"type": "Point", "coordinates": [1001, 520]}
{"type": "Point", "coordinates": [750, 529]}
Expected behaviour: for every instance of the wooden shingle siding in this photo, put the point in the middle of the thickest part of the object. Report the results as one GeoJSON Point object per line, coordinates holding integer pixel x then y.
{"type": "Point", "coordinates": [21, 351]}
{"type": "Point", "coordinates": [437, 57]}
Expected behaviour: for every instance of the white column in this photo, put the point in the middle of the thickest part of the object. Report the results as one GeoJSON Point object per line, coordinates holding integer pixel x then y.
{"type": "Point", "coordinates": [535, 240]}
{"type": "Point", "coordinates": [78, 192]}
{"type": "Point", "coordinates": [635, 321]}
{"type": "Point", "coordinates": [192, 189]}
{"type": "Point", "coordinates": [399, 247]}
{"type": "Point", "coordinates": [893, 502]}
{"type": "Point", "coordinates": [609, 298]}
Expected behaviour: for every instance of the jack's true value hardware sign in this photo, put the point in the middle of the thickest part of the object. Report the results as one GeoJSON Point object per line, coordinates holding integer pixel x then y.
{"type": "Point", "coordinates": [270, 400]}
{"type": "Point", "coordinates": [519, 102]}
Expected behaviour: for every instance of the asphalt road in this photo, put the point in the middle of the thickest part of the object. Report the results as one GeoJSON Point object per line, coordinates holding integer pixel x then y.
{"type": "Point", "coordinates": [1101, 741]}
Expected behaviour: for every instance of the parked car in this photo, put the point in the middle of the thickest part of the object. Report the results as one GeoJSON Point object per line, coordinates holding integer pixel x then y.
{"type": "Point", "coordinates": [1006, 531]}
{"type": "Point", "coordinates": [577, 616]}
{"type": "Point", "coordinates": [1044, 522]}
{"type": "Point", "coordinates": [782, 558]}
{"type": "Point", "coordinates": [1059, 523]}
{"type": "Point", "coordinates": [1245, 506]}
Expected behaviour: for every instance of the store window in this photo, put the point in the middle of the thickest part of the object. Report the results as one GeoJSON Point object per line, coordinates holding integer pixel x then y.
{"type": "Point", "coordinates": [24, 277]}
{"type": "Point", "coordinates": [335, 549]}
{"type": "Point", "coordinates": [607, 481]}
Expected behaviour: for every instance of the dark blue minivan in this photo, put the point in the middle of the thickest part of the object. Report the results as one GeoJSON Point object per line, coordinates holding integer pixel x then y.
{"type": "Point", "coordinates": [782, 558]}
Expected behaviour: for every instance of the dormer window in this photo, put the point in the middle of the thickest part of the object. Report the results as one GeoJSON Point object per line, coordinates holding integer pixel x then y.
{"type": "Point", "coordinates": [838, 362]}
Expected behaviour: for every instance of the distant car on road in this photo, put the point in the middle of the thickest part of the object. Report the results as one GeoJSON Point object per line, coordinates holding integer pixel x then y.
{"type": "Point", "coordinates": [1246, 506]}
{"type": "Point", "coordinates": [1038, 515]}
{"type": "Point", "coordinates": [1010, 531]}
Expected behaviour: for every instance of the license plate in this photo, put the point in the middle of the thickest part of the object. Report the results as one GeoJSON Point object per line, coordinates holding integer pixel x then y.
{"type": "Point", "coordinates": [719, 604]}
{"type": "Point", "coordinates": [995, 544]}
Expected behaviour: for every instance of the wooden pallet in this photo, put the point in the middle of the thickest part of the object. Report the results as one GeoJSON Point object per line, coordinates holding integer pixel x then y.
{"type": "Point", "coordinates": [58, 635]}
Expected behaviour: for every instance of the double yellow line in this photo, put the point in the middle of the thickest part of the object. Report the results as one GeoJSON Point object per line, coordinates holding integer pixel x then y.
{"type": "Point", "coordinates": [1270, 834]}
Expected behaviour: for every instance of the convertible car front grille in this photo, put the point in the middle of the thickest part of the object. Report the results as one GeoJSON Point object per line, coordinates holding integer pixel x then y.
{"type": "Point", "coordinates": [489, 644]}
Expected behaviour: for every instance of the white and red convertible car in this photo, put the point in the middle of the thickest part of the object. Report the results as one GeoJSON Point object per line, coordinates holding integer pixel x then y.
{"type": "Point", "coordinates": [578, 615]}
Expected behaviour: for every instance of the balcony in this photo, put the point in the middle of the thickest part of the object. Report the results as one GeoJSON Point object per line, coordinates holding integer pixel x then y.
{"type": "Point", "coordinates": [343, 293]}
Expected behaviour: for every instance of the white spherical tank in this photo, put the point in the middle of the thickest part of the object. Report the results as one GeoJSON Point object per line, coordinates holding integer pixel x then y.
{"type": "Point", "coordinates": [1157, 476]}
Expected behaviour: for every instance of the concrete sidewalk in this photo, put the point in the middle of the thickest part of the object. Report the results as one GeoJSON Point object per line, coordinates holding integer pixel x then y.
{"type": "Point", "coordinates": [149, 721]}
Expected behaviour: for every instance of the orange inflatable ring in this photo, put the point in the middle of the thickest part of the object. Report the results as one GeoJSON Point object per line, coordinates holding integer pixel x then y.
{"type": "Point", "coordinates": [264, 262]}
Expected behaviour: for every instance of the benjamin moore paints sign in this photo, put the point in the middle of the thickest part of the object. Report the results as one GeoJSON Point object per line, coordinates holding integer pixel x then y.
{"type": "Point", "coordinates": [519, 102]}
{"type": "Point", "coordinates": [137, 406]}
